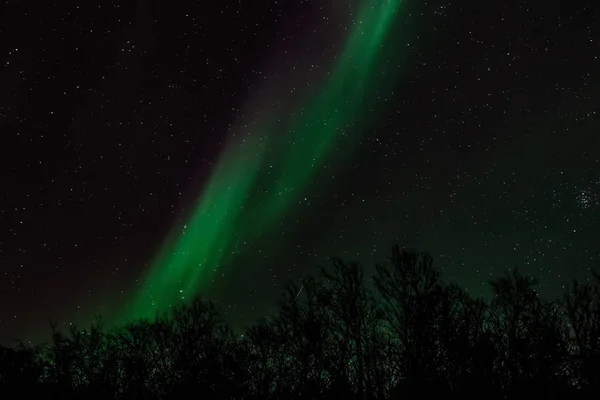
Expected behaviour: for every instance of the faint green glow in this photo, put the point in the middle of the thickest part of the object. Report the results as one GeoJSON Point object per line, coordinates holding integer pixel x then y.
{"type": "Point", "coordinates": [261, 174]}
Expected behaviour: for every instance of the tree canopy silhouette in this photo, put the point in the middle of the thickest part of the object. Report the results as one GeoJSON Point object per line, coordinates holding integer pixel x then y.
{"type": "Point", "coordinates": [400, 333]}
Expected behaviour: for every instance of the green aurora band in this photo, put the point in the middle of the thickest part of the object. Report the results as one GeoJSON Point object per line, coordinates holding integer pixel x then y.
{"type": "Point", "coordinates": [253, 187]}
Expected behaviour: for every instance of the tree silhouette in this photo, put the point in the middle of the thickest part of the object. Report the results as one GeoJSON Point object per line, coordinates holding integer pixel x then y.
{"type": "Point", "coordinates": [356, 328]}
{"type": "Point", "coordinates": [468, 348]}
{"type": "Point", "coordinates": [411, 294]}
{"type": "Point", "coordinates": [304, 329]}
{"type": "Point", "coordinates": [511, 314]}
{"type": "Point", "coordinates": [21, 369]}
{"type": "Point", "coordinates": [582, 305]}
{"type": "Point", "coordinates": [530, 336]}
{"type": "Point", "coordinates": [405, 333]}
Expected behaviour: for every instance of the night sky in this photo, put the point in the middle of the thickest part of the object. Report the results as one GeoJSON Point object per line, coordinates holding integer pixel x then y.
{"type": "Point", "coordinates": [476, 137]}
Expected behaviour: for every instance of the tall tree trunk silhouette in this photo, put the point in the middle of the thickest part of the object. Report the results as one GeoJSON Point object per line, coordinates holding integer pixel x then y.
{"type": "Point", "coordinates": [511, 313]}
{"type": "Point", "coordinates": [582, 305]}
{"type": "Point", "coordinates": [411, 294]}
{"type": "Point", "coordinates": [356, 319]}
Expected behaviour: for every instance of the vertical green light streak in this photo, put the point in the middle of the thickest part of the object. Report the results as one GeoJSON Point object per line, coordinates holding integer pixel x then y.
{"type": "Point", "coordinates": [253, 187]}
{"type": "Point", "coordinates": [335, 110]}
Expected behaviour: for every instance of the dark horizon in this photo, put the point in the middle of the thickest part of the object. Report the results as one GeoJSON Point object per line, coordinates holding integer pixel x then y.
{"type": "Point", "coordinates": [401, 332]}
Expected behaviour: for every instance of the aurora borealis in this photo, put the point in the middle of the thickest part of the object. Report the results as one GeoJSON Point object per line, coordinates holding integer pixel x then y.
{"type": "Point", "coordinates": [263, 171]}
{"type": "Point", "coordinates": [154, 151]}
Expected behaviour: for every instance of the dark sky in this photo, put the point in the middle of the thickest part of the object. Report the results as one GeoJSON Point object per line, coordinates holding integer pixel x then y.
{"type": "Point", "coordinates": [113, 115]}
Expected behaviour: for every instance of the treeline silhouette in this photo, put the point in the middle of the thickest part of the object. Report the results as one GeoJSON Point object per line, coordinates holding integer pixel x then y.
{"type": "Point", "coordinates": [402, 334]}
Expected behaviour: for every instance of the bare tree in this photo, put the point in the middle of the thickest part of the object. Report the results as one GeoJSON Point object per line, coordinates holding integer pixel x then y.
{"type": "Point", "coordinates": [582, 305]}
{"type": "Point", "coordinates": [411, 294]}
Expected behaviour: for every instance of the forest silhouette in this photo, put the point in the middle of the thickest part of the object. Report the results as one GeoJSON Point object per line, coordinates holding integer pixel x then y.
{"type": "Point", "coordinates": [402, 333]}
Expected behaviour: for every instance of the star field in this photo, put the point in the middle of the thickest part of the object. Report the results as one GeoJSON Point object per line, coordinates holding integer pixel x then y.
{"type": "Point", "coordinates": [114, 116]}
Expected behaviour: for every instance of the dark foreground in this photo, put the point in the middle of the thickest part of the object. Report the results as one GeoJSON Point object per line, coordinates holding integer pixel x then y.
{"type": "Point", "coordinates": [402, 334]}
